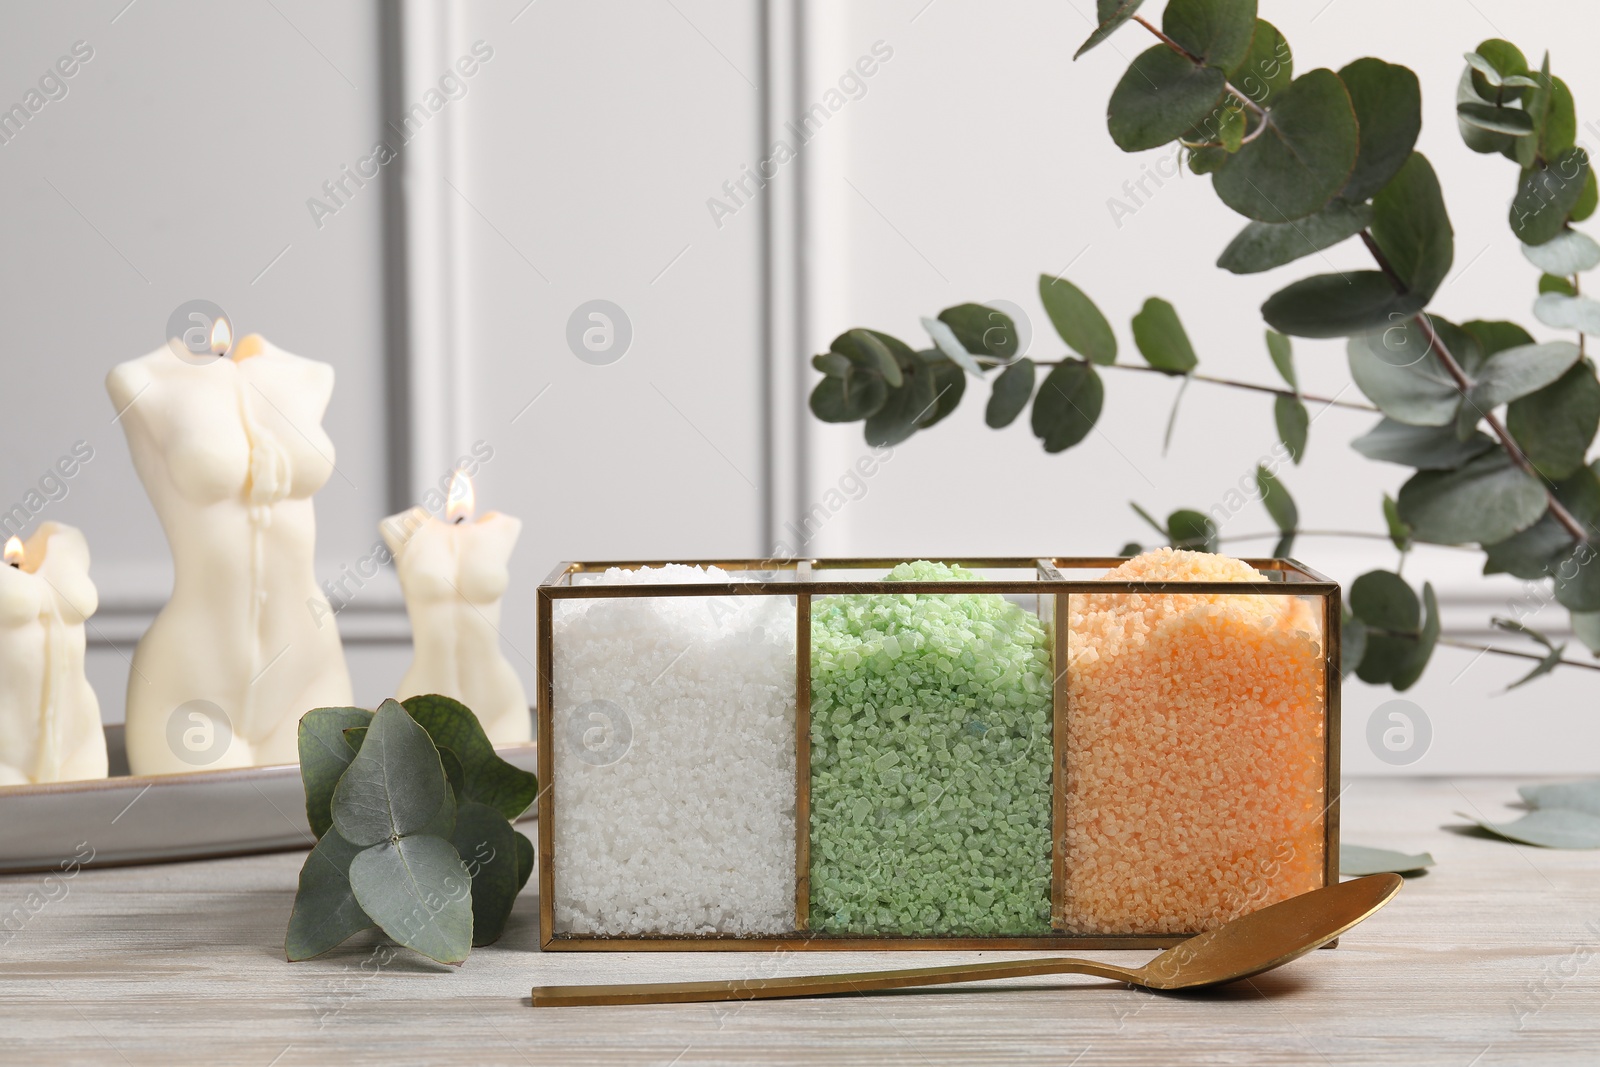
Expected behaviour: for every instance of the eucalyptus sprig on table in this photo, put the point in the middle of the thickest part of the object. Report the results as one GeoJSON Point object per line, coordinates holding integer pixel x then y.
{"type": "Point", "coordinates": [412, 808]}
{"type": "Point", "coordinates": [1496, 426]}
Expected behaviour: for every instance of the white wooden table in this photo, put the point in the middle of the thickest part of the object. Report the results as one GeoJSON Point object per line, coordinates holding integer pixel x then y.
{"type": "Point", "coordinates": [1492, 958]}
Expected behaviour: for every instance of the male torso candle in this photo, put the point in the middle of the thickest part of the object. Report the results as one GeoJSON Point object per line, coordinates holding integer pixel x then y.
{"type": "Point", "coordinates": [454, 575]}
{"type": "Point", "coordinates": [49, 718]}
{"type": "Point", "coordinates": [231, 452]}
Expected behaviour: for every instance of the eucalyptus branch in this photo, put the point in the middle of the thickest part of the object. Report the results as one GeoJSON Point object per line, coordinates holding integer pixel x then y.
{"type": "Point", "coordinates": [1365, 535]}
{"type": "Point", "coordinates": [1197, 61]}
{"type": "Point", "coordinates": [1471, 647]}
{"type": "Point", "coordinates": [1332, 401]}
{"type": "Point", "coordinates": [1464, 385]}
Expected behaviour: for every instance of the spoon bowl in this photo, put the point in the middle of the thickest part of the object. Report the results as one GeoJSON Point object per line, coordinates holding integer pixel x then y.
{"type": "Point", "coordinates": [1239, 949]}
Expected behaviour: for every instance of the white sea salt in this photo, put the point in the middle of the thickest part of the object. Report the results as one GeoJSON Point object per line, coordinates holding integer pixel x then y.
{"type": "Point", "coordinates": [674, 786]}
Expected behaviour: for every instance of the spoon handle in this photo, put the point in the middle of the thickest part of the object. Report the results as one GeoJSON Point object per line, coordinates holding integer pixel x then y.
{"type": "Point", "coordinates": [820, 984]}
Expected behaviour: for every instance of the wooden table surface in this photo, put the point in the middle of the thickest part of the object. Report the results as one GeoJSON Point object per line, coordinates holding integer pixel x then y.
{"type": "Point", "coordinates": [1488, 959]}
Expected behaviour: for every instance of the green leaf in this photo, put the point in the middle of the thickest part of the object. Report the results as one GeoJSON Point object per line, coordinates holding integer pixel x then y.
{"type": "Point", "coordinates": [1491, 337]}
{"type": "Point", "coordinates": [1281, 350]}
{"type": "Point", "coordinates": [1549, 663]}
{"type": "Point", "coordinates": [1284, 549]}
{"type": "Point", "coordinates": [1068, 405]}
{"type": "Point", "coordinates": [1294, 423]}
{"type": "Point", "coordinates": [1267, 68]}
{"type": "Point", "coordinates": [1412, 228]}
{"type": "Point", "coordinates": [1546, 194]}
{"type": "Point", "coordinates": [1547, 828]}
{"type": "Point", "coordinates": [878, 356]}
{"type": "Point", "coordinates": [1112, 14]}
{"type": "Point", "coordinates": [394, 785]}
{"type": "Point", "coordinates": [1383, 600]}
{"type": "Point", "coordinates": [1279, 504]}
{"type": "Point", "coordinates": [852, 398]}
{"type": "Point", "coordinates": [1517, 372]}
{"type": "Point", "coordinates": [1556, 425]}
{"type": "Point", "coordinates": [1131, 549]}
{"type": "Point", "coordinates": [1502, 57]}
{"type": "Point", "coordinates": [1476, 138]}
{"type": "Point", "coordinates": [1420, 649]}
{"type": "Point", "coordinates": [1077, 320]}
{"type": "Point", "coordinates": [984, 331]}
{"type": "Point", "coordinates": [454, 773]}
{"type": "Point", "coordinates": [1218, 32]}
{"type": "Point", "coordinates": [325, 909]}
{"type": "Point", "coordinates": [1388, 107]}
{"type": "Point", "coordinates": [1303, 157]}
{"type": "Point", "coordinates": [1549, 283]}
{"type": "Point", "coordinates": [324, 755]}
{"type": "Point", "coordinates": [443, 823]}
{"type": "Point", "coordinates": [833, 364]}
{"type": "Point", "coordinates": [1568, 252]}
{"type": "Point", "coordinates": [1399, 532]}
{"type": "Point", "coordinates": [419, 893]}
{"type": "Point", "coordinates": [489, 779]}
{"type": "Point", "coordinates": [488, 848]}
{"type": "Point", "coordinates": [1264, 245]}
{"type": "Point", "coordinates": [1010, 394]}
{"type": "Point", "coordinates": [949, 385]}
{"type": "Point", "coordinates": [1513, 626]}
{"type": "Point", "coordinates": [1207, 160]}
{"type": "Point", "coordinates": [1352, 644]}
{"type": "Point", "coordinates": [1483, 502]}
{"type": "Point", "coordinates": [1161, 338]}
{"type": "Point", "coordinates": [1507, 120]}
{"type": "Point", "coordinates": [1358, 861]}
{"type": "Point", "coordinates": [945, 340]}
{"type": "Point", "coordinates": [1192, 530]}
{"type": "Point", "coordinates": [1159, 98]}
{"type": "Point", "coordinates": [1581, 313]}
{"type": "Point", "coordinates": [524, 860]}
{"type": "Point", "coordinates": [1530, 554]}
{"type": "Point", "coordinates": [1573, 796]}
{"type": "Point", "coordinates": [1149, 518]}
{"type": "Point", "coordinates": [1587, 200]}
{"type": "Point", "coordinates": [1338, 305]}
{"type": "Point", "coordinates": [1398, 371]}
{"type": "Point", "coordinates": [1556, 118]}
{"type": "Point", "coordinates": [1423, 447]}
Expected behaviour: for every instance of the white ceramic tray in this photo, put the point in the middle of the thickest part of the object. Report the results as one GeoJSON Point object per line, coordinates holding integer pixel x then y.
{"type": "Point", "coordinates": [157, 818]}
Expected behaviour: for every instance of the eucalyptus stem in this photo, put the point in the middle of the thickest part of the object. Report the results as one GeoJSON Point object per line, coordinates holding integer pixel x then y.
{"type": "Point", "coordinates": [1514, 652]}
{"type": "Point", "coordinates": [1233, 383]}
{"type": "Point", "coordinates": [1365, 535]}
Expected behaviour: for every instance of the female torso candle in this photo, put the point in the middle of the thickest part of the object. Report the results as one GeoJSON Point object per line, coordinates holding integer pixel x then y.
{"type": "Point", "coordinates": [231, 452]}
{"type": "Point", "coordinates": [454, 573]}
{"type": "Point", "coordinates": [49, 718]}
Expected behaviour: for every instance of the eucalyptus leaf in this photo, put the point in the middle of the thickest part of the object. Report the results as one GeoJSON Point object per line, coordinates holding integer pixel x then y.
{"type": "Point", "coordinates": [1517, 372]}
{"type": "Point", "coordinates": [1580, 313]}
{"type": "Point", "coordinates": [1419, 650]}
{"type": "Point", "coordinates": [524, 860]}
{"type": "Point", "coordinates": [878, 356]}
{"type": "Point", "coordinates": [1503, 57]}
{"type": "Point", "coordinates": [1077, 320]}
{"type": "Point", "coordinates": [1383, 600]}
{"type": "Point", "coordinates": [1281, 351]}
{"type": "Point", "coordinates": [1530, 553]}
{"type": "Point", "coordinates": [832, 364]}
{"type": "Point", "coordinates": [1475, 137]}
{"type": "Point", "coordinates": [1338, 305]}
{"type": "Point", "coordinates": [1302, 158]}
{"type": "Point", "coordinates": [1192, 530]}
{"type": "Point", "coordinates": [1161, 338]}
{"type": "Point", "coordinates": [488, 847]}
{"type": "Point", "coordinates": [1507, 120]}
{"type": "Point", "coordinates": [454, 773]}
{"type": "Point", "coordinates": [1399, 372]}
{"type": "Point", "coordinates": [944, 338]}
{"type": "Point", "coordinates": [1399, 532]}
{"type": "Point", "coordinates": [856, 396]}
{"type": "Point", "coordinates": [1358, 861]}
{"type": "Point", "coordinates": [1276, 499]}
{"type": "Point", "coordinates": [1267, 68]}
{"type": "Point", "coordinates": [1550, 283]}
{"type": "Point", "coordinates": [1422, 447]}
{"type": "Point", "coordinates": [1545, 195]}
{"type": "Point", "coordinates": [489, 779]}
{"type": "Point", "coordinates": [1112, 15]}
{"type": "Point", "coordinates": [1388, 107]}
{"type": "Point", "coordinates": [1068, 405]}
{"type": "Point", "coordinates": [1491, 336]}
{"type": "Point", "coordinates": [1264, 245]}
{"type": "Point", "coordinates": [982, 330]}
{"type": "Point", "coordinates": [1412, 228]}
{"type": "Point", "coordinates": [1012, 390]}
{"type": "Point", "coordinates": [1550, 662]}
{"type": "Point", "coordinates": [1557, 118]}
{"type": "Point", "coordinates": [1294, 424]}
{"type": "Point", "coordinates": [949, 385]}
{"type": "Point", "coordinates": [418, 892]}
{"type": "Point", "coordinates": [897, 419]}
{"type": "Point", "coordinates": [1352, 644]}
{"type": "Point", "coordinates": [325, 909]}
{"type": "Point", "coordinates": [1547, 828]}
{"type": "Point", "coordinates": [324, 755]}
{"type": "Point", "coordinates": [1483, 502]}
{"type": "Point", "coordinates": [394, 785]}
{"type": "Point", "coordinates": [1581, 796]}
{"type": "Point", "coordinates": [1588, 199]}
{"type": "Point", "coordinates": [1160, 97]}
{"type": "Point", "coordinates": [1568, 252]}
{"type": "Point", "coordinates": [1217, 32]}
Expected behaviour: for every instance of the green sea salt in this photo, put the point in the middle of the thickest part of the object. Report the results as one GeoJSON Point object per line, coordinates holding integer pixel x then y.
{"type": "Point", "coordinates": [930, 762]}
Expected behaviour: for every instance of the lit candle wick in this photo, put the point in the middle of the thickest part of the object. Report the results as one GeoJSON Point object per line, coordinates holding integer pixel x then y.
{"type": "Point", "coordinates": [14, 552]}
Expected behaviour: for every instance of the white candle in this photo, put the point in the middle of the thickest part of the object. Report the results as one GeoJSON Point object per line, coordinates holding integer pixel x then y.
{"type": "Point", "coordinates": [230, 452]}
{"type": "Point", "coordinates": [49, 718]}
{"type": "Point", "coordinates": [453, 573]}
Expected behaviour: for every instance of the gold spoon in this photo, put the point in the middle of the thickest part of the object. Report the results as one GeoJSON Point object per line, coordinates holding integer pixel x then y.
{"type": "Point", "coordinates": [1244, 947]}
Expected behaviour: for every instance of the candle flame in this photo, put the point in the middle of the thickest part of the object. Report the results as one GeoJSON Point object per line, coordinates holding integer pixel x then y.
{"type": "Point", "coordinates": [462, 502]}
{"type": "Point", "coordinates": [221, 336]}
{"type": "Point", "coordinates": [14, 552]}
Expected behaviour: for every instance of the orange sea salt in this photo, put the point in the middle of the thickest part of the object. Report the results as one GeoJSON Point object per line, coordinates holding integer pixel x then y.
{"type": "Point", "coordinates": [1195, 751]}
